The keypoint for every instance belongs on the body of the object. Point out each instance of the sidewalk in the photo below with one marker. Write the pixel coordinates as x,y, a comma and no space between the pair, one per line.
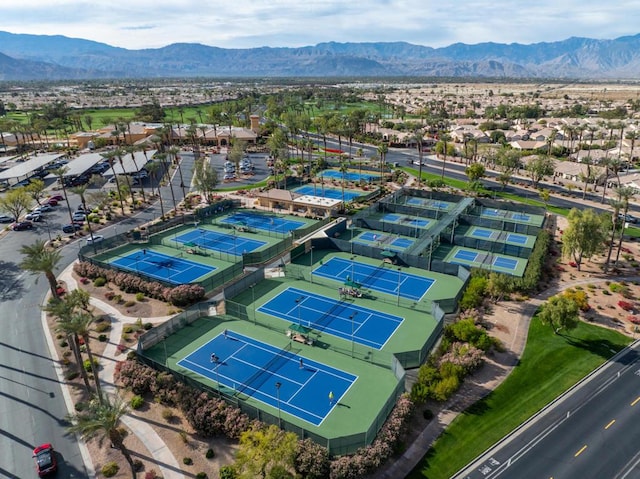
163,457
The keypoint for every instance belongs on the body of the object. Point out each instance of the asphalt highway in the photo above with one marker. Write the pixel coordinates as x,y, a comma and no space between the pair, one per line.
590,432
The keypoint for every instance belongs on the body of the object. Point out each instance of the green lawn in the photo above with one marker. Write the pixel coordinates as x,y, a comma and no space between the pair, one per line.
550,365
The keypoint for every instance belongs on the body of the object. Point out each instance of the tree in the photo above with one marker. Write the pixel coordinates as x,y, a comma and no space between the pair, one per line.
36,189
475,171
498,286
545,196
104,420
110,156
508,162
616,224
263,448
205,178
39,259
16,202
560,312
153,167
383,149
625,194
539,167
585,235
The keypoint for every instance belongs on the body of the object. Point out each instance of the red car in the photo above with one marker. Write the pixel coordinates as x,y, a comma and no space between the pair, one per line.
22,225
56,198
45,458
51,202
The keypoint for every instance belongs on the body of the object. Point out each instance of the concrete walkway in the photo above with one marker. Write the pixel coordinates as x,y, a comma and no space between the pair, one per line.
162,455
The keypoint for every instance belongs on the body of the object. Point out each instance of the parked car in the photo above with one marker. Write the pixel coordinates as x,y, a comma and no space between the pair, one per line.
142,174
230,176
95,239
45,459
44,208
22,225
627,218
34,216
79,216
56,198
71,228
6,219
21,184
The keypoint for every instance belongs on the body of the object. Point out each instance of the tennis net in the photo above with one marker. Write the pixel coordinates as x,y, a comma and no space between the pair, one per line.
265,372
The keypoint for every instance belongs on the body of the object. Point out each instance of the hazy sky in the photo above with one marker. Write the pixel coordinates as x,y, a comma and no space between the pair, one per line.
138,24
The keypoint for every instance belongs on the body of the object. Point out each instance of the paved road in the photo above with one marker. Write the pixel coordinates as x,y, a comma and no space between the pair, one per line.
32,408
591,432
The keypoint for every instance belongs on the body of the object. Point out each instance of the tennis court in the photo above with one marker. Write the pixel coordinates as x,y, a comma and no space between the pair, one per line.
263,222
429,203
349,175
414,221
482,259
231,244
484,233
332,193
278,377
167,268
514,216
336,317
384,280
392,242
517,239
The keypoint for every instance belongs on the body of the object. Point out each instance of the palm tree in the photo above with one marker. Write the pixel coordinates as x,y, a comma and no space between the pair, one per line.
38,258
60,172
119,153
383,149
65,309
173,151
104,420
625,194
153,168
167,168
80,191
110,156
131,149
419,136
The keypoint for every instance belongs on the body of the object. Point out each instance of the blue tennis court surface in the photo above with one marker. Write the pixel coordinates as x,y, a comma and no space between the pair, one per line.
348,175
391,217
520,217
167,268
506,263
516,238
465,255
385,280
232,244
263,222
415,222
481,233
333,193
338,318
270,375
494,213
402,242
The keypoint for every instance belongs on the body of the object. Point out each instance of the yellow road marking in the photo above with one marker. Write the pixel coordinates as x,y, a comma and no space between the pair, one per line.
610,424
580,451
634,402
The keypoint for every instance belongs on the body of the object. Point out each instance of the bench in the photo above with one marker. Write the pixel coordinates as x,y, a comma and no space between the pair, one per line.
300,338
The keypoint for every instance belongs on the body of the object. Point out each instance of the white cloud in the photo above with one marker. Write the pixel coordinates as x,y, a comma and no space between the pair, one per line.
252,23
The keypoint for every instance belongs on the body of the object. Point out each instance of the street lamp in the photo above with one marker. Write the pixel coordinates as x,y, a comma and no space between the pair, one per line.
399,277
311,265
278,384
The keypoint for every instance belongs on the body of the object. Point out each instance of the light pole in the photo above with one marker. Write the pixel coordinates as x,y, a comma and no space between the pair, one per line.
399,276
352,331
217,363
253,302
166,357
278,384
311,265
299,302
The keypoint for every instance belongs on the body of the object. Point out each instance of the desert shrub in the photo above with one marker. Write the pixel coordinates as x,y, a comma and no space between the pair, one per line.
625,305
136,402
187,461
129,303
279,472
102,338
139,296
128,329
151,475
71,375
167,414
138,465
201,475
102,327
228,472
100,281
86,364
148,326
63,343
209,454
109,295
579,297
110,469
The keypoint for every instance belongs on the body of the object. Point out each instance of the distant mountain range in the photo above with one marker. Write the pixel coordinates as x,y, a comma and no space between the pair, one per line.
43,57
